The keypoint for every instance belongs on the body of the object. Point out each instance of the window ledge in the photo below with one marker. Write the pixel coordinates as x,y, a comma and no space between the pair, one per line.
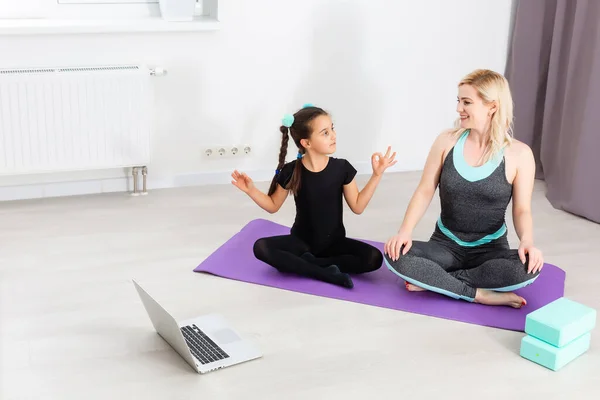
62,26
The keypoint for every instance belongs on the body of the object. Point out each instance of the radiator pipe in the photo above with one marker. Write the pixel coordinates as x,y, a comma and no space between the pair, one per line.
135,181
144,175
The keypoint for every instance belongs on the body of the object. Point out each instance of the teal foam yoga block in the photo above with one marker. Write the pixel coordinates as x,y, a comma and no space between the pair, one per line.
552,357
560,322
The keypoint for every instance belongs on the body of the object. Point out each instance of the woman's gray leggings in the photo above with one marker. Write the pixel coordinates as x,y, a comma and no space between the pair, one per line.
443,266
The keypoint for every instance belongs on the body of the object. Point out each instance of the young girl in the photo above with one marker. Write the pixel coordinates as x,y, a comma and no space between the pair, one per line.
317,246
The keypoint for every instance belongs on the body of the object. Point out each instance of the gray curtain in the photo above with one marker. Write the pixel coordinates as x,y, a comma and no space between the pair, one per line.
554,71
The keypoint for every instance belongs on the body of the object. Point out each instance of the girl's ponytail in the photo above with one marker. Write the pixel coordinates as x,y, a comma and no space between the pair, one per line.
282,154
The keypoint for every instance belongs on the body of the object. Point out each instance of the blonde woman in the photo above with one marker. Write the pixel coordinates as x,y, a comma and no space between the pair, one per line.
479,167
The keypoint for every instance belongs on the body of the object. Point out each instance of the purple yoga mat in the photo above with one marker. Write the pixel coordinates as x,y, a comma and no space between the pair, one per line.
382,288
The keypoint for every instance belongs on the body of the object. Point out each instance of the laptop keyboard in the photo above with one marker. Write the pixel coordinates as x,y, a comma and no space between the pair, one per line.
204,349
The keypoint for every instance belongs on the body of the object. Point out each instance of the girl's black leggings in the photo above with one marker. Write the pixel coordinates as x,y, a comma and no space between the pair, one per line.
289,253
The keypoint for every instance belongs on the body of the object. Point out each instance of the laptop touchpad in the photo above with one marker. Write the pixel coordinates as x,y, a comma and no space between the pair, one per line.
226,336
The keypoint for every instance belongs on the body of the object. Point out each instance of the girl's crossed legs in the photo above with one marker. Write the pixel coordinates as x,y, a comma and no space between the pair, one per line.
289,253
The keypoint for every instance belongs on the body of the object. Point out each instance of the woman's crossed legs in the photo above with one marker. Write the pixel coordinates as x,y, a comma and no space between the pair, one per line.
484,274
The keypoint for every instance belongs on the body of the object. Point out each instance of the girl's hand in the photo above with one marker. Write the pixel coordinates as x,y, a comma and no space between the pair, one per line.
536,259
242,181
380,162
394,244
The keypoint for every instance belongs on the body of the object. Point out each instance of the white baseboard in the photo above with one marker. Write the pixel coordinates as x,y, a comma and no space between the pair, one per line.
125,184
115,185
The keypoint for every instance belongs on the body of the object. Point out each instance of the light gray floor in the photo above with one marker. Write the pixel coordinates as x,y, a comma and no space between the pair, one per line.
72,326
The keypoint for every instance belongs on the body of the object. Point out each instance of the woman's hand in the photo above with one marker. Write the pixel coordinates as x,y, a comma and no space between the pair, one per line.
380,163
536,259
242,181
394,244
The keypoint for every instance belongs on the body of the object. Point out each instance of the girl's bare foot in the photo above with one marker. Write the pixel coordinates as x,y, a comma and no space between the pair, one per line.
492,298
413,288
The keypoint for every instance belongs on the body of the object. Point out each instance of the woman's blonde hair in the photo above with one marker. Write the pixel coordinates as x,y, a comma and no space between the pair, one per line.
492,86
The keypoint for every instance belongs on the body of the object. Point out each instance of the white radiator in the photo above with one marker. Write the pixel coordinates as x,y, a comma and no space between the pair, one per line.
80,118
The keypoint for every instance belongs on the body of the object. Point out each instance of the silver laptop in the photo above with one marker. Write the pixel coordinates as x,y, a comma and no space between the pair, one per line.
207,342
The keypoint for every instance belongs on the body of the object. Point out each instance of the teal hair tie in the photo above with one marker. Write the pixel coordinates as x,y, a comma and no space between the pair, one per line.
299,156
306,105
287,120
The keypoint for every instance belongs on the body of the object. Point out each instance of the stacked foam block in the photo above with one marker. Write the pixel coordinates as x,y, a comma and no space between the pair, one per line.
558,333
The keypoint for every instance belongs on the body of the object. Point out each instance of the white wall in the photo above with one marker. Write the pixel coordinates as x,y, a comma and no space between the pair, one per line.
387,71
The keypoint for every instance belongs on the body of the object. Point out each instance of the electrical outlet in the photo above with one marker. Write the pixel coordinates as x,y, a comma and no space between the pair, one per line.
227,151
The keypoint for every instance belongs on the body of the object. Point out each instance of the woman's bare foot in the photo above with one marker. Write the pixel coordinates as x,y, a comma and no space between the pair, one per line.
492,298
413,288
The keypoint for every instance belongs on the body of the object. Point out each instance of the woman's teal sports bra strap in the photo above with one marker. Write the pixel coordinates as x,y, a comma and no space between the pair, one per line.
468,172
